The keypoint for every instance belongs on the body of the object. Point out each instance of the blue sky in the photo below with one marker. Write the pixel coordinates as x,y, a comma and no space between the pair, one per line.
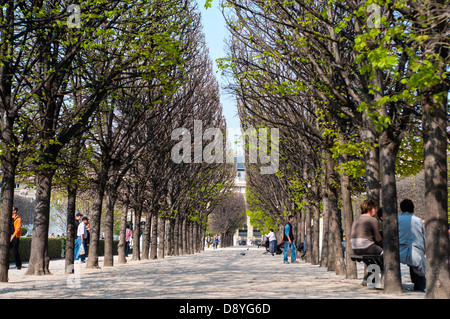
215,34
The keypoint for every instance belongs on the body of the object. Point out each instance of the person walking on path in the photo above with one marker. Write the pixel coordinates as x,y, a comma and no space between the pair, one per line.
366,238
15,237
216,241
412,244
128,235
81,236
78,217
288,238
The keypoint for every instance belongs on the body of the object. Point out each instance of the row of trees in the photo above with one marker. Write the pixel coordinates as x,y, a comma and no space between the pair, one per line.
359,90
228,217
89,97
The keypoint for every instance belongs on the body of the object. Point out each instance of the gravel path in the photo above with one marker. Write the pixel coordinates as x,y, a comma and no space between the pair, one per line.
230,273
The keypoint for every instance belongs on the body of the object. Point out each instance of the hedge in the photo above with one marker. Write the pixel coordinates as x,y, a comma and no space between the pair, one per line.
56,248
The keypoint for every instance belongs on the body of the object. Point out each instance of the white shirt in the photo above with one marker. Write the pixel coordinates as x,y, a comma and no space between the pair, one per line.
271,236
81,231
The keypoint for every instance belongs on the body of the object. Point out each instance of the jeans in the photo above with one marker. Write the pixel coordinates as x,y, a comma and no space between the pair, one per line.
419,281
127,248
15,247
78,244
293,251
273,246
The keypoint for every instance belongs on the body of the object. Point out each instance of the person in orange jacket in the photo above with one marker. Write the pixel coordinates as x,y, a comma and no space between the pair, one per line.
14,240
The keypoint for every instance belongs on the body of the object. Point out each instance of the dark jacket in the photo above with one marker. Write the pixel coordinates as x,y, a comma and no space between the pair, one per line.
291,234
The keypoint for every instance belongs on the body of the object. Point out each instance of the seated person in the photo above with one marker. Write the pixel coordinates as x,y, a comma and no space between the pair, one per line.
412,244
366,238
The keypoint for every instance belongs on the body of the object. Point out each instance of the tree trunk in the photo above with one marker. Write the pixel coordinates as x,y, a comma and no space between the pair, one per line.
335,246
9,163
193,237
147,236
111,198
434,121
9,156
190,237
308,234
167,236
39,260
137,233
176,236
325,226
154,236
299,227
161,236
94,222
187,236
307,237
184,236
347,216
171,237
72,190
371,160
316,235
223,240
180,235
388,153
199,237
71,231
